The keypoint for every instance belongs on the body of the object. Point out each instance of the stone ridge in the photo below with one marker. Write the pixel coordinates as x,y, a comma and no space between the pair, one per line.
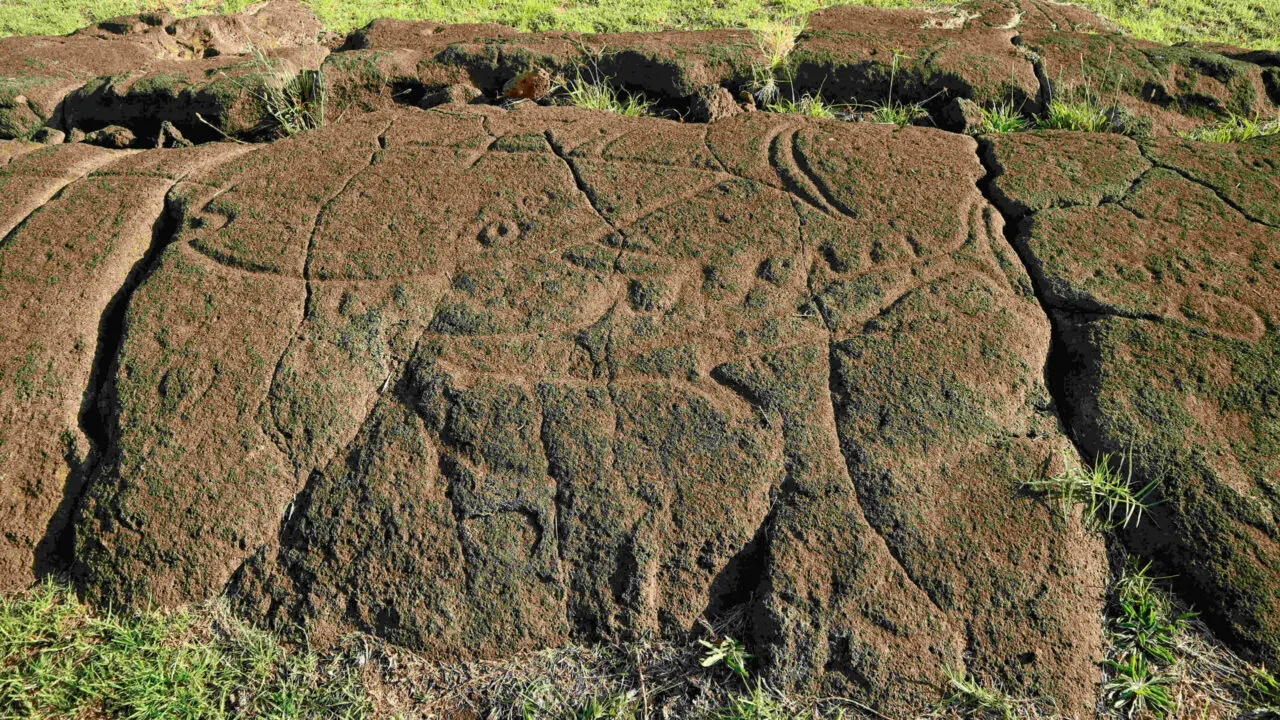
484,378
1157,265
209,78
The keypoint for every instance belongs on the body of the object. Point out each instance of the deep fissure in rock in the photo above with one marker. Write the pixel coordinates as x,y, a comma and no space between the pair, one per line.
55,552
1058,359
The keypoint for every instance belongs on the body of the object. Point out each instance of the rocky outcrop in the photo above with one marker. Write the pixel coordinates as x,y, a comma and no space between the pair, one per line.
1158,264
481,375
220,77
209,76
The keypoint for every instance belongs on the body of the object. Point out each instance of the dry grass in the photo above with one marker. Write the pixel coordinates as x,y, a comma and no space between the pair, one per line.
58,659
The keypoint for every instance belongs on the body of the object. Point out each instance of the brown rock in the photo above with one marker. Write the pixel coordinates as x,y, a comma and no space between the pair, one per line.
533,85
711,104
499,422
1176,87
864,55
62,271
963,115
111,136
48,136
452,95
1157,262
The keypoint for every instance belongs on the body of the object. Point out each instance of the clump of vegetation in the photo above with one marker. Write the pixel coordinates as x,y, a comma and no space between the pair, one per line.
296,103
1145,621
59,659
775,40
1146,634
1235,128
892,112
807,105
1262,691
1083,115
1108,498
1135,686
1003,118
593,91
293,103
971,696
728,651
760,702
896,113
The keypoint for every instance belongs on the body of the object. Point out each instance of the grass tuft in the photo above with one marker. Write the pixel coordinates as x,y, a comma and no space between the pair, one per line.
760,703
1235,128
775,40
1003,118
594,92
1079,115
807,105
1144,621
1135,687
59,659
1261,691
1109,499
970,695
294,103
896,113
891,112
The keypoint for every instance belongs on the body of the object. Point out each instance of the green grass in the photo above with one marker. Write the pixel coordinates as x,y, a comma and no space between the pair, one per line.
1109,499
1247,23
775,39
727,651
1136,687
1079,115
896,113
1144,621
807,105
58,659
1250,23
1262,692
1235,129
55,17
1147,636
1003,118
594,92
761,703
294,103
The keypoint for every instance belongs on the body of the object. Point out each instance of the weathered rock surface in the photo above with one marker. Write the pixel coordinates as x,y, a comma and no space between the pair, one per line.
482,380
1159,265
77,221
485,381
213,77
141,70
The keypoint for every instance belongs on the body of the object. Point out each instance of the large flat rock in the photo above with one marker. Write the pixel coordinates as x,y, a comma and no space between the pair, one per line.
1159,265
483,381
493,377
